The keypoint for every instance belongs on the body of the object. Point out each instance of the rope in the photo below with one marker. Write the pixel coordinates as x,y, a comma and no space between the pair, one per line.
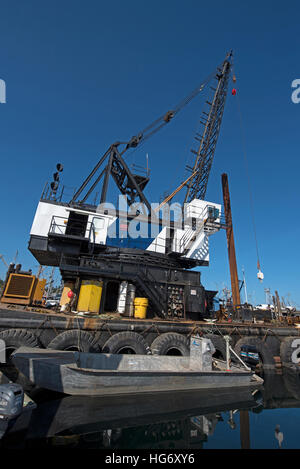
195,330
44,322
101,329
248,178
149,329
79,335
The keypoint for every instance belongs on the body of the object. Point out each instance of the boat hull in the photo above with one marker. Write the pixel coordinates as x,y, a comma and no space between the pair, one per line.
59,371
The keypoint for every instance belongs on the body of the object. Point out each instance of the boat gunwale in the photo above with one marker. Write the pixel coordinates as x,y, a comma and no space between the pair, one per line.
157,373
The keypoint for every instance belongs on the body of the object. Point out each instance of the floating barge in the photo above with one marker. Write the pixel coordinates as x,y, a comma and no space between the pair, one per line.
91,245
40,328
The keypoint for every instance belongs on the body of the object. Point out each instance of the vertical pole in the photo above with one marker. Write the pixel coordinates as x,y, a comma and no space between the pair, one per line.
227,339
275,307
278,303
245,286
39,271
244,429
230,244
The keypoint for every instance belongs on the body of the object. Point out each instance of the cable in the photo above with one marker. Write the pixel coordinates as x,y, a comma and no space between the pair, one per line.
248,179
141,137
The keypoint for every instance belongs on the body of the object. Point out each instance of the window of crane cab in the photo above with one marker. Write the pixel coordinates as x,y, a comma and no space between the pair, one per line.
98,223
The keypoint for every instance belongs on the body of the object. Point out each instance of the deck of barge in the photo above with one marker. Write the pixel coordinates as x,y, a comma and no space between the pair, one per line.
40,318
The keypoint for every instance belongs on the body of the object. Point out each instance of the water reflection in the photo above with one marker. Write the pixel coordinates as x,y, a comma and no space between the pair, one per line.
231,418
278,435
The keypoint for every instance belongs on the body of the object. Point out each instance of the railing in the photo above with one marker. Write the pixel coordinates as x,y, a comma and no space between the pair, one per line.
228,349
206,220
81,229
78,229
62,191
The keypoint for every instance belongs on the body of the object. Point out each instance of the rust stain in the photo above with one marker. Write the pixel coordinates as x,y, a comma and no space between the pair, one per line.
90,323
69,322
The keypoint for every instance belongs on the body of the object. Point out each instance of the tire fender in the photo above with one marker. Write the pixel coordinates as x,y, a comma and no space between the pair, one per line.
219,344
75,339
290,351
291,379
15,338
164,344
128,342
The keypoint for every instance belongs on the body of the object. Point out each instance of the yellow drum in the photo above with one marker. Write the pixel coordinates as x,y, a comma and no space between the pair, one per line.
90,296
140,307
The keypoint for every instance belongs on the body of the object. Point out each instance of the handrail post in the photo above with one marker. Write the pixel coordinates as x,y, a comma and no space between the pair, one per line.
227,340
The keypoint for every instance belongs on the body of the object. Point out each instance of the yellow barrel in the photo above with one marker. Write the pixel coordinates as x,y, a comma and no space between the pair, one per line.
90,296
140,307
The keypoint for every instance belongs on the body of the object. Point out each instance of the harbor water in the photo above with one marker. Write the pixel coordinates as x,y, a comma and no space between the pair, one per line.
264,418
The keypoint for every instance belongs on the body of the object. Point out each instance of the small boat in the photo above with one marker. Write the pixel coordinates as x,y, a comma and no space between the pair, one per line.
99,374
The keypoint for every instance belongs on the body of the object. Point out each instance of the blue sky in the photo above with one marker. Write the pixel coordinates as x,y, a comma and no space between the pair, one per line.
81,75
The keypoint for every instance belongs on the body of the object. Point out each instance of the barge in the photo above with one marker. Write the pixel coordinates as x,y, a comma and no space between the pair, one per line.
106,266
276,344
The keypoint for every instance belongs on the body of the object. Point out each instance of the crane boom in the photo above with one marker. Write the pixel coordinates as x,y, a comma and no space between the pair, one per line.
211,121
133,185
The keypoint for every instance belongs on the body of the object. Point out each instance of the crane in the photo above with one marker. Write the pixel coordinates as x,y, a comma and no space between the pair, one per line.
84,238
112,163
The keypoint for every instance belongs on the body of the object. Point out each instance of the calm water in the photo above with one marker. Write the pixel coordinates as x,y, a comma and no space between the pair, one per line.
231,419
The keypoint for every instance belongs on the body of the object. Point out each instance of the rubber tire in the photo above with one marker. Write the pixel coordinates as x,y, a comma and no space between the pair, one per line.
286,351
69,340
219,344
168,341
126,339
262,349
291,379
102,338
15,338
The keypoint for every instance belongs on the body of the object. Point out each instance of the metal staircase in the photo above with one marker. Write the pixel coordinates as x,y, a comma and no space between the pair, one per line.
152,290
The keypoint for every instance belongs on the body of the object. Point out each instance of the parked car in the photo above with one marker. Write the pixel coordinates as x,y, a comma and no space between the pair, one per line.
289,309
52,302
264,307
